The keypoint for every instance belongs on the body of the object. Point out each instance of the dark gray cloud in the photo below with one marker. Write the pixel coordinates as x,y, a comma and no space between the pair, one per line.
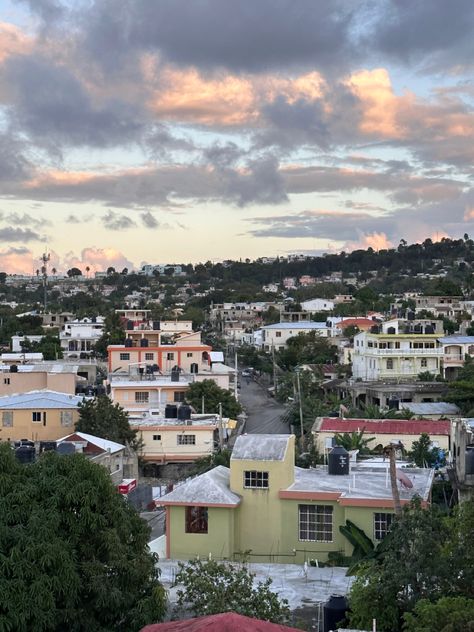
11,233
26,220
244,35
116,221
52,107
149,220
14,165
47,10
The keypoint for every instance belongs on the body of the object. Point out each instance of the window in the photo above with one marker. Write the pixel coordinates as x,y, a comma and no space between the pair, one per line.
196,519
7,418
255,480
179,396
315,523
125,356
36,416
389,364
186,439
66,418
6,380
382,524
189,355
278,334
156,437
142,397
424,362
170,356
149,356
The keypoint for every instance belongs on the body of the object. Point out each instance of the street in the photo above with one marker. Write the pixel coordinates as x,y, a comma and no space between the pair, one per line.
264,413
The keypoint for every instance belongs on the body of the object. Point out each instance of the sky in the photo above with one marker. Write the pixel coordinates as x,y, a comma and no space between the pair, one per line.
138,131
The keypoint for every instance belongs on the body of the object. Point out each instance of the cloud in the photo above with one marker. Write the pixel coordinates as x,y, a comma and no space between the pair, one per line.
149,221
27,220
97,259
17,260
24,235
115,221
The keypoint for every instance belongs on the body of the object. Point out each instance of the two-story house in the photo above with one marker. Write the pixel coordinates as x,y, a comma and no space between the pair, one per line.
78,337
276,336
455,349
265,505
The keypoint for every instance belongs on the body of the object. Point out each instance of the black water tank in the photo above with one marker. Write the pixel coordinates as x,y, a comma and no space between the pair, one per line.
411,316
144,342
129,325
128,342
334,612
25,454
393,403
469,460
175,375
13,368
429,329
391,330
100,389
47,446
171,411
417,329
338,461
184,412
155,368
65,448
156,325
149,369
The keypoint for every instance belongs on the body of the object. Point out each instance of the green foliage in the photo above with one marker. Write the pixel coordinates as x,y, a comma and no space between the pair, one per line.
259,360
448,614
212,587
461,391
206,463
354,441
371,411
306,348
74,554
426,376
424,454
213,395
49,346
102,418
114,334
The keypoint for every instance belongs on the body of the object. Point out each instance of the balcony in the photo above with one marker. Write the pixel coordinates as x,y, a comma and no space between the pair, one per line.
406,353
453,359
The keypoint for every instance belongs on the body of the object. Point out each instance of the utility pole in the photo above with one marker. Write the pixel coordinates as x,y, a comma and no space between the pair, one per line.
45,257
236,377
275,386
202,404
221,434
300,403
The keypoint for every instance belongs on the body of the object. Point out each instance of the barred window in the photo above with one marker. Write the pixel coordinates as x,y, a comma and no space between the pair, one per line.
187,439
7,418
255,480
149,356
66,418
179,396
196,520
382,524
315,523
125,356
142,397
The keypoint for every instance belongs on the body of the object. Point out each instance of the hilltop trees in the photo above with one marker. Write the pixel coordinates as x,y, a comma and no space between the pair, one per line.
74,554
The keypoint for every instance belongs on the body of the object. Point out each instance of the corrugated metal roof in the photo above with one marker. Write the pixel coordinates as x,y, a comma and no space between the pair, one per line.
300,325
40,399
457,340
432,408
386,426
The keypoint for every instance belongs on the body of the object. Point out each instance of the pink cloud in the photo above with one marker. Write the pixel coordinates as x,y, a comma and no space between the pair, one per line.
97,259
377,241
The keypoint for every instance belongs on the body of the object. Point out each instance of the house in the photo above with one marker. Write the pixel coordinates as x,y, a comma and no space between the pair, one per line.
432,410
397,350
78,337
455,349
448,306
19,341
224,622
276,336
53,376
317,305
41,415
279,512
52,321
383,431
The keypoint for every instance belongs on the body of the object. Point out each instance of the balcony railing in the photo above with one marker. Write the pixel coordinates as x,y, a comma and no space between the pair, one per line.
399,352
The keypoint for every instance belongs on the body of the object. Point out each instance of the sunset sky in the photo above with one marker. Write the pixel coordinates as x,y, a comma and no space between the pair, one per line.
158,131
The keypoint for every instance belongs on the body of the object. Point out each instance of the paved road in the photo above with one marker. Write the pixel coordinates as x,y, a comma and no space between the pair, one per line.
264,413
156,520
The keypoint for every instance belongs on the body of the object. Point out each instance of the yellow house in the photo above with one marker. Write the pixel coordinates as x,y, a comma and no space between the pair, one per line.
38,415
275,512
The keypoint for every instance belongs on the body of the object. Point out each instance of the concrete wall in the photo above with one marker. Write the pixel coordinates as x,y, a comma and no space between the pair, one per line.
219,541
36,380
167,449
49,428
383,439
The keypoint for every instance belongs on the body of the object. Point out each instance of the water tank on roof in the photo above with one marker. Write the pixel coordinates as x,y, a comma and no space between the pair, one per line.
94,319
392,403
334,612
411,315
65,448
155,368
338,461
184,412
469,460
13,368
417,329
144,342
391,330
429,329
156,325
171,411
25,454
175,375
128,342
47,446
129,325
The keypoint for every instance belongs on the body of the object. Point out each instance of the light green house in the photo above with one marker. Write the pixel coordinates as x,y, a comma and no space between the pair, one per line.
265,505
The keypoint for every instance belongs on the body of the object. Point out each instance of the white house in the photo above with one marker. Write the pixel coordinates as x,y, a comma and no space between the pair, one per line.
79,336
276,336
317,305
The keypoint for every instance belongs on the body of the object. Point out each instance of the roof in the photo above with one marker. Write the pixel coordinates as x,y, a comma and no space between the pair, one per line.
383,426
301,325
357,322
224,622
216,356
210,488
260,447
431,408
103,444
457,340
361,484
40,399
5,357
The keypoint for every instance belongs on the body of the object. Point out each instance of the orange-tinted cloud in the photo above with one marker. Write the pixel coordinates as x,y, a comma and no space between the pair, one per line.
377,241
12,41
97,259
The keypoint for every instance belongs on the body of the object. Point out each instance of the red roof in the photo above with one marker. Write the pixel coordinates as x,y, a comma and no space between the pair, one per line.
362,323
386,426
225,622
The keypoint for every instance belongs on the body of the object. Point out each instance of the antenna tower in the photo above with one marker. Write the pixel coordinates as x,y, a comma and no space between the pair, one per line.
45,257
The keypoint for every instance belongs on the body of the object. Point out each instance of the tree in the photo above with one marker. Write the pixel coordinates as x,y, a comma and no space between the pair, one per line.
114,334
110,270
74,272
49,346
213,395
424,454
102,418
74,553
310,348
461,391
354,441
448,614
212,587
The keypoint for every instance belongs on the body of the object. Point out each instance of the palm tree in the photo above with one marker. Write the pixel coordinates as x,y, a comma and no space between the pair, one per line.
87,270
53,271
391,451
354,441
